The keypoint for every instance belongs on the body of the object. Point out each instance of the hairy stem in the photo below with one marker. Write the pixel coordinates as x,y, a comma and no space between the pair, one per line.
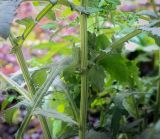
38,18
30,86
15,86
24,68
37,99
125,38
84,80
73,105
119,42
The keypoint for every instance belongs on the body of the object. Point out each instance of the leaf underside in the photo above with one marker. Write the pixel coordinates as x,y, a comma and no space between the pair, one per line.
8,11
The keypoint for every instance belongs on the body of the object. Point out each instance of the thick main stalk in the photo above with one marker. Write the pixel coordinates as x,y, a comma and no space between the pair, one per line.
84,80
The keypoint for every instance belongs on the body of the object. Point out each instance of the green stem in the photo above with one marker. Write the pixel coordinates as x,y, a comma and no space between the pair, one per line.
125,38
30,86
24,68
37,99
38,18
119,42
73,105
25,72
84,65
14,85
67,3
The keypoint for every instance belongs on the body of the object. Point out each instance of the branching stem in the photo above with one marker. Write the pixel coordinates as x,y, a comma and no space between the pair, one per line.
26,74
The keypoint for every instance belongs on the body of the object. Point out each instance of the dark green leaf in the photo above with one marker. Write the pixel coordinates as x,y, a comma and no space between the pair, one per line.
156,38
120,68
109,4
96,77
115,123
91,40
115,2
98,135
51,15
115,66
93,3
129,105
102,41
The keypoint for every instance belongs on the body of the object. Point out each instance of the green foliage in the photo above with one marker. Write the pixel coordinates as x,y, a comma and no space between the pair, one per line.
111,4
98,135
106,78
102,41
8,114
130,105
54,114
115,123
39,77
96,76
120,68
7,101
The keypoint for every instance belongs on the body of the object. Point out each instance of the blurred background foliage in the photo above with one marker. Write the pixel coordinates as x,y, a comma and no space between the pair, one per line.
55,37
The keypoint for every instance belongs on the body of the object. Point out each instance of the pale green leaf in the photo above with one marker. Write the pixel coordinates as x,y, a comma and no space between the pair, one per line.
54,114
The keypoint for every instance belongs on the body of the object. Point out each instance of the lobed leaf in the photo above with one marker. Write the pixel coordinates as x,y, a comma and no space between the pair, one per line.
120,68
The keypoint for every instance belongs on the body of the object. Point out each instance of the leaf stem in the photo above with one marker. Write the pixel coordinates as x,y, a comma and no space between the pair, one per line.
119,43
30,86
73,105
125,38
24,68
38,18
37,99
84,80
20,90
